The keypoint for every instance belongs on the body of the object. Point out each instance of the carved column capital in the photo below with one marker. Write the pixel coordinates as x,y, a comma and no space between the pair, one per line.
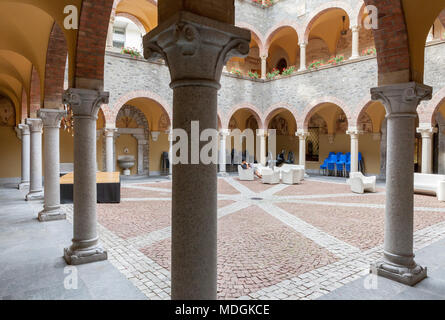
224,133
354,132
24,129
261,133
51,117
303,44
401,100
109,132
301,134
196,48
355,28
35,124
426,132
84,102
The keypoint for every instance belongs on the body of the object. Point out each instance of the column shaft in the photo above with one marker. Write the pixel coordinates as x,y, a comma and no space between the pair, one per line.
263,67
355,42
222,151
302,56
427,148
109,149
25,161
35,184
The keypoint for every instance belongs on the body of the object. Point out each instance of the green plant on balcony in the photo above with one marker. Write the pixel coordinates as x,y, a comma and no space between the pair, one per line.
316,64
265,4
288,71
335,60
369,52
131,51
253,75
273,74
236,72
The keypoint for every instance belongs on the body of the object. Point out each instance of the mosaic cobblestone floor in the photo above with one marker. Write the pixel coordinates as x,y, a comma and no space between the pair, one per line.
298,242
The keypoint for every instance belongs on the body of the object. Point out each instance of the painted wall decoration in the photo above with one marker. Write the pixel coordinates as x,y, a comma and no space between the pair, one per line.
233,124
280,124
318,122
7,112
365,123
341,122
164,122
252,123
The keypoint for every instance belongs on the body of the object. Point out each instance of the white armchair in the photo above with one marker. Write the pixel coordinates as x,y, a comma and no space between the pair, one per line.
359,183
270,176
292,176
246,174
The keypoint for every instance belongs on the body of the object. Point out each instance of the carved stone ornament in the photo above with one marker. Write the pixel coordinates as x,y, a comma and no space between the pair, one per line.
85,102
51,117
196,48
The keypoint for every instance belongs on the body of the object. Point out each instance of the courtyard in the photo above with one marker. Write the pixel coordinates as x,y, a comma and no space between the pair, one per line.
298,242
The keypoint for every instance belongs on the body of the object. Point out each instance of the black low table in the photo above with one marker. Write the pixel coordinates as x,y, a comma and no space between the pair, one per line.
108,187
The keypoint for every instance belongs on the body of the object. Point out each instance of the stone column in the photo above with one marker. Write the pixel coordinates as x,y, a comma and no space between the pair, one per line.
355,42
263,67
170,151
85,247
51,123
383,144
223,133
142,144
302,135
261,146
110,32
354,133
24,134
303,46
109,148
35,183
400,101
427,147
186,41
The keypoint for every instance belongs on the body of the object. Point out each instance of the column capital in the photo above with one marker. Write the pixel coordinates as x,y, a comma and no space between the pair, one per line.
354,132
376,136
264,56
187,41
401,100
426,132
302,133
51,117
35,124
84,102
24,129
261,132
302,44
224,132
109,132
355,28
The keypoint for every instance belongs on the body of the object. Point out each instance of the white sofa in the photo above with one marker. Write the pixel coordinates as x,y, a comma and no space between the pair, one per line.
292,176
270,176
286,167
246,174
359,183
433,184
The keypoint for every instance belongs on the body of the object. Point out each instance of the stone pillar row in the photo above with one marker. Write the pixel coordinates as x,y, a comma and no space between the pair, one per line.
185,41
400,101
51,123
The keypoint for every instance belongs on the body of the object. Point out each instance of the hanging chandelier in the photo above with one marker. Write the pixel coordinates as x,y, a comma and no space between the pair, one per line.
68,121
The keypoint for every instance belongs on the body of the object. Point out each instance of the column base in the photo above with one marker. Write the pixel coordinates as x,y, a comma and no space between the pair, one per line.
223,174
86,255
23,185
354,57
34,195
52,215
301,70
403,274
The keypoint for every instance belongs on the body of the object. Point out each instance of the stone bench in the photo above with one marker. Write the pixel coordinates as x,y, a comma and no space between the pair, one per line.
432,184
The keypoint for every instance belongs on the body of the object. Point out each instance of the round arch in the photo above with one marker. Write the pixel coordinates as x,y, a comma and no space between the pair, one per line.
303,121
254,110
279,26
256,35
275,109
133,19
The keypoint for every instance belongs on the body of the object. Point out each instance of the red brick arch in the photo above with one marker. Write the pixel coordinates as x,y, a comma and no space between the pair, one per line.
255,111
92,37
55,68
34,94
274,109
312,18
311,108
428,109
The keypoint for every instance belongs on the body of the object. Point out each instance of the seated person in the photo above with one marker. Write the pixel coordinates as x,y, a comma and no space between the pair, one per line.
246,166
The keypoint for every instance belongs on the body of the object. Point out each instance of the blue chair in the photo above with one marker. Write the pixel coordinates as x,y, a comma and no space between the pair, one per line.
332,160
324,166
341,164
